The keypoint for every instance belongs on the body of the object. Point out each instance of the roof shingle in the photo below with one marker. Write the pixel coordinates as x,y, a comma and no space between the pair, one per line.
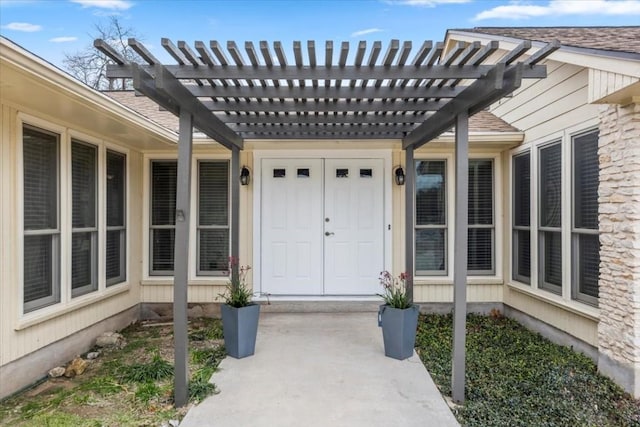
616,39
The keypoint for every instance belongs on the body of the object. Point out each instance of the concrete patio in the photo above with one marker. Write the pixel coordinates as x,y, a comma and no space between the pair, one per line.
320,369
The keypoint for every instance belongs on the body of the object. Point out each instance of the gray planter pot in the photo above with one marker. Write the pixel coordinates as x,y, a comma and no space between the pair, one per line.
240,326
398,330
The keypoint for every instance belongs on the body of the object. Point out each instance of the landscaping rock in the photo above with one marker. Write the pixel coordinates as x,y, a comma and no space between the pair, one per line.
57,372
110,339
195,312
76,367
93,355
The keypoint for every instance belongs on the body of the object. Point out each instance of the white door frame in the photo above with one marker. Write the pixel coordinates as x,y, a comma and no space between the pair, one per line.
258,155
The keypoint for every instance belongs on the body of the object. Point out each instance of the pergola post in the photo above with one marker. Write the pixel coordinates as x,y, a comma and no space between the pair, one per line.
409,194
460,256
181,259
234,250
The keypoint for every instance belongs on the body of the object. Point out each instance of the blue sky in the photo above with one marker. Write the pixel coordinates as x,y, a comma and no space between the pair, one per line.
49,28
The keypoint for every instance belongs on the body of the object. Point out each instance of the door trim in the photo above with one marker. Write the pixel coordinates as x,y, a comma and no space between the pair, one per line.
258,155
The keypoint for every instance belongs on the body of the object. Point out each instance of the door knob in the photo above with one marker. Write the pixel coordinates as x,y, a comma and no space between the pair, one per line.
328,233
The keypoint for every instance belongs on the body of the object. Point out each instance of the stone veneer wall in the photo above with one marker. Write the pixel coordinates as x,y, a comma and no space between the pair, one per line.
619,200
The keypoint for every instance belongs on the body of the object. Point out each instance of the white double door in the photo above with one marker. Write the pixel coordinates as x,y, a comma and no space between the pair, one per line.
322,226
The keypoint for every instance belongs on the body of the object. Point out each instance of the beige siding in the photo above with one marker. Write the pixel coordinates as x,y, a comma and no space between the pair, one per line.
544,107
444,293
21,336
602,84
576,324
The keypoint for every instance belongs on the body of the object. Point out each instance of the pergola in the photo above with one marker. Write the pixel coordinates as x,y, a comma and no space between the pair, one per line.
232,97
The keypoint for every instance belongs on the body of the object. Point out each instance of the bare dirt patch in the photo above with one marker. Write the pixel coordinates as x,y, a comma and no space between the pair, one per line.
131,386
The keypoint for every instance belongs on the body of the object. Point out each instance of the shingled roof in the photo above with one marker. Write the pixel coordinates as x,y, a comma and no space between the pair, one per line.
483,121
615,39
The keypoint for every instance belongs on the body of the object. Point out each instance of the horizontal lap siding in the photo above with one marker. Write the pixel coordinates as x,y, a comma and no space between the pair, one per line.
197,293
543,107
16,343
572,323
444,293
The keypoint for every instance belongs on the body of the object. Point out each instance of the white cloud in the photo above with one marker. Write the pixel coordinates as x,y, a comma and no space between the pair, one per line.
22,26
425,3
64,39
105,4
522,10
367,31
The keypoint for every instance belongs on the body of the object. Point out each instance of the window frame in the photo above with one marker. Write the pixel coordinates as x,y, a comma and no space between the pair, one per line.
517,229
199,227
576,232
491,226
124,235
444,226
95,230
30,314
55,233
152,227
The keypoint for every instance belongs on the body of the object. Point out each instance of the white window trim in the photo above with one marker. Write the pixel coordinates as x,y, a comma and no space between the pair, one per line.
498,226
564,300
67,303
193,278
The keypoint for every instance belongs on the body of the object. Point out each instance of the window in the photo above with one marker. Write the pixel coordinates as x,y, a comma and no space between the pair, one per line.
212,220
213,217
62,237
40,152
584,235
550,218
480,237
522,217
84,232
116,224
431,217
163,208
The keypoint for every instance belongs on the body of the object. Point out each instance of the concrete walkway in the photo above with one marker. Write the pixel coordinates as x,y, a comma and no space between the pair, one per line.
321,369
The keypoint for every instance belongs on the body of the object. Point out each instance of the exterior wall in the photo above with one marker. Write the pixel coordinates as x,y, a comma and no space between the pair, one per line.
619,198
22,335
543,107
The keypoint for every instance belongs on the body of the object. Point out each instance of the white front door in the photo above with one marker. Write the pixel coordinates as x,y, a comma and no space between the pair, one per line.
354,226
291,250
322,226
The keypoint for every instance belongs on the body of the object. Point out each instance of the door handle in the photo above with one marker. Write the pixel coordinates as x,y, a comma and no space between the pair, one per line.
328,233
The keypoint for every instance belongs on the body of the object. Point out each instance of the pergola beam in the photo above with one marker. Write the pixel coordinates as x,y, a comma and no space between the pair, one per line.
477,96
204,120
323,92
165,95
323,118
323,72
324,127
322,106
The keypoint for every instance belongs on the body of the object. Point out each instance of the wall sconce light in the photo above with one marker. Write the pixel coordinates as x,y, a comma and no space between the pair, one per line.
245,176
399,175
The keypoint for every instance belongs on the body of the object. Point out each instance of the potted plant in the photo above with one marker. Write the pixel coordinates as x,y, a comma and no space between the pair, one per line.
239,314
398,317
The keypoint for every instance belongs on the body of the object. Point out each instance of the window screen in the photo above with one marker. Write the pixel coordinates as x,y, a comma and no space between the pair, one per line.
41,271
431,231
116,213
521,243
585,238
213,217
163,206
480,239
550,218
